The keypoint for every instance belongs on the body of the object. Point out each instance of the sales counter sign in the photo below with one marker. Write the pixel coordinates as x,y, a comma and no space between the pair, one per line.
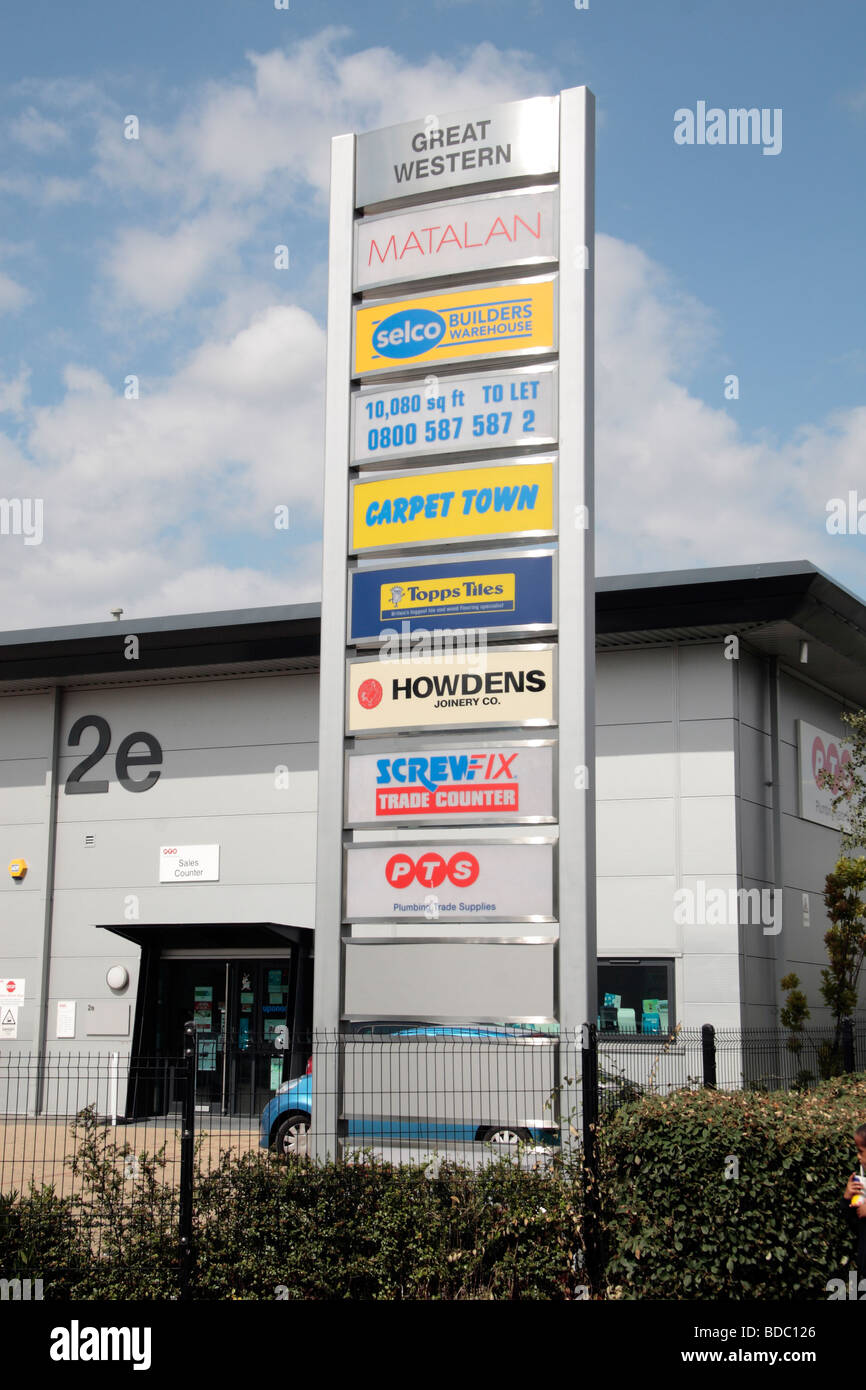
460,324
429,507
449,882
498,686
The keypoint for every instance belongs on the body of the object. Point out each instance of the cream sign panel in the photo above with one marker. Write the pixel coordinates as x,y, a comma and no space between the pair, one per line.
473,234
449,882
504,685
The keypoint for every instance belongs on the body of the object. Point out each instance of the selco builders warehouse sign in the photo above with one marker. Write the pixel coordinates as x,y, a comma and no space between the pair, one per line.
470,235
476,410
503,685
501,592
454,150
429,507
487,783
824,772
445,881
446,327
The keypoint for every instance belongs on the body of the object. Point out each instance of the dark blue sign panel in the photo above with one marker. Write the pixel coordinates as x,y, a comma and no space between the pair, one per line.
510,592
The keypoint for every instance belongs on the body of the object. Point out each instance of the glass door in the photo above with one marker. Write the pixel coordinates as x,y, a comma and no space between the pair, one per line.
260,995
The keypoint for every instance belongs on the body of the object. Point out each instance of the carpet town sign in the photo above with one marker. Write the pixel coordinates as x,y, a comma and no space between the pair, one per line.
461,497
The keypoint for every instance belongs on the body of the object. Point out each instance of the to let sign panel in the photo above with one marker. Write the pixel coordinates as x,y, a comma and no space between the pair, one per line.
442,786
429,508
503,685
446,327
446,882
495,593
475,410
471,235
502,141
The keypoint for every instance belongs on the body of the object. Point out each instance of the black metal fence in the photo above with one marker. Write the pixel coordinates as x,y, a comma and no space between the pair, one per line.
121,1139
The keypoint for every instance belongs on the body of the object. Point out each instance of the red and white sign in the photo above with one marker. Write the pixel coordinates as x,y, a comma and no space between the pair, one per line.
447,882
825,771
485,783
468,234
12,991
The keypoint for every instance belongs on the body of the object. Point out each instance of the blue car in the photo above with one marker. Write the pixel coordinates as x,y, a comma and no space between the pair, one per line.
285,1120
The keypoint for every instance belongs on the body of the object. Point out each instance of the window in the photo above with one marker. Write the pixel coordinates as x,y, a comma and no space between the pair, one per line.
636,996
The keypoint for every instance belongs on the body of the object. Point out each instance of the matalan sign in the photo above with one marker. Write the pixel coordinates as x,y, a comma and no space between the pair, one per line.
503,685
475,234
485,783
456,149
454,414
447,882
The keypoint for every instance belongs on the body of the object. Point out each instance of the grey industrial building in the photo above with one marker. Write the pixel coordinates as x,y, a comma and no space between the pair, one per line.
118,740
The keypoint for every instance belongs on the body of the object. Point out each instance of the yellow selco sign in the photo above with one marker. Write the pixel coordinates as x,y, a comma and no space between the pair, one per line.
456,504
461,323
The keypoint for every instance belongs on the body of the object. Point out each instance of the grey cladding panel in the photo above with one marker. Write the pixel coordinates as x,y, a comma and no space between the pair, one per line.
438,980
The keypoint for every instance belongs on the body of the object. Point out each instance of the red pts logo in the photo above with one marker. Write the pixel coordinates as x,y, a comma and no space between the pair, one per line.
369,694
431,870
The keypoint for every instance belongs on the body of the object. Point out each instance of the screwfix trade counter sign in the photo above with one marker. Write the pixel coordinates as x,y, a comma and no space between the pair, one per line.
479,322
475,784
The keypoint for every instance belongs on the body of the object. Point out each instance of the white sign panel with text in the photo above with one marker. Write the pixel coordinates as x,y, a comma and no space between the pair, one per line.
484,783
448,882
824,771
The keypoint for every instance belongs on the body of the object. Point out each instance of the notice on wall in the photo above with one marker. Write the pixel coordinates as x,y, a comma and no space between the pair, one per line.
189,863
65,1018
8,1020
455,414
12,991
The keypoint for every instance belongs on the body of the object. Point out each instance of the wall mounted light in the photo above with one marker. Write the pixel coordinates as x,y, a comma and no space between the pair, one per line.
117,977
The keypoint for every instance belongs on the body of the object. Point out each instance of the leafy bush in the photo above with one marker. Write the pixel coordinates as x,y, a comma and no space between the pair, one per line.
677,1227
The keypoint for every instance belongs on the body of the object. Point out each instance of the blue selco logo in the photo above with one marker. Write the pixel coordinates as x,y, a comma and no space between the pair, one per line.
409,333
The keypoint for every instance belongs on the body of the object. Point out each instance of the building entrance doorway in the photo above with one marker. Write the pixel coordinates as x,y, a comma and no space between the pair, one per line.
237,1007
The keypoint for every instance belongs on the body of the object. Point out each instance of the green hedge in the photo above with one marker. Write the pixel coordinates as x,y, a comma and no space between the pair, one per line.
676,1227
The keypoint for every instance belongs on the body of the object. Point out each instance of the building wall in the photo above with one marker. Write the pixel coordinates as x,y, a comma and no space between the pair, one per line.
666,817
238,769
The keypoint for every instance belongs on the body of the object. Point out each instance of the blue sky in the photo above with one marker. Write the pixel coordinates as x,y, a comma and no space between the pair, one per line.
155,258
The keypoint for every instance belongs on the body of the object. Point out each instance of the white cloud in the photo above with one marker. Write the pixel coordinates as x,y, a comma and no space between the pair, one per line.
157,272
37,132
12,295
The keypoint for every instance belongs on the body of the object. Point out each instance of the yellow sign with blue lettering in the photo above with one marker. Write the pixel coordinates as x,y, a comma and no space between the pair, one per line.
424,508
458,324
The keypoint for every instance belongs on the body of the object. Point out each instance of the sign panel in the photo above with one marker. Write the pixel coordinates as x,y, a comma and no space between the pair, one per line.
502,141
447,882
491,594
12,991
470,785
478,410
455,324
825,770
65,1018
470,235
189,863
429,507
504,685
8,1020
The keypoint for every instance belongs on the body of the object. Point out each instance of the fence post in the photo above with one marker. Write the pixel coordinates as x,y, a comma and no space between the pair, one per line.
708,1051
187,1149
848,1044
589,1112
